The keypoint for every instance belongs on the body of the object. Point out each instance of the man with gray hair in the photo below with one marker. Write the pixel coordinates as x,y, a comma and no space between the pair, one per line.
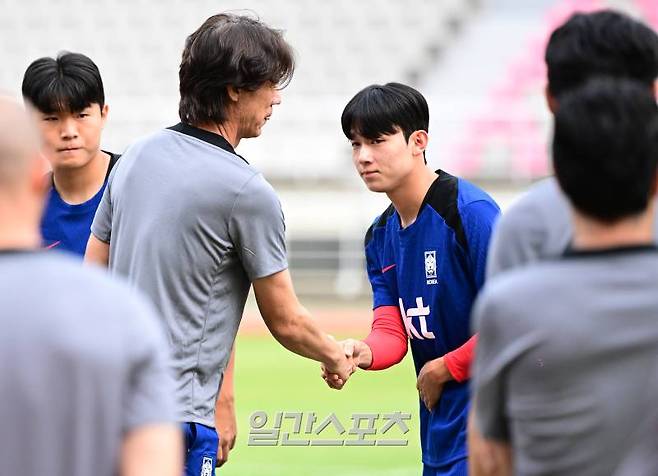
190,222
83,363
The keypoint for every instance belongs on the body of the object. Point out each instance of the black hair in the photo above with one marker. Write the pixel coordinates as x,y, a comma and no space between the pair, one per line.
605,147
69,83
605,42
229,50
381,110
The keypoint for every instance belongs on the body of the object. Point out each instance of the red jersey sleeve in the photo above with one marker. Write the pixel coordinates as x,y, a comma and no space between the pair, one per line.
387,339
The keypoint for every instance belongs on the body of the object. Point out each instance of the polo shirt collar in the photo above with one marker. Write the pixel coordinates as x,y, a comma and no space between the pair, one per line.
206,136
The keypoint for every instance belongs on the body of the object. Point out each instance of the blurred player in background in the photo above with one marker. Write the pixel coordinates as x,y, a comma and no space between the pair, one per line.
68,99
426,262
568,348
538,225
83,363
190,222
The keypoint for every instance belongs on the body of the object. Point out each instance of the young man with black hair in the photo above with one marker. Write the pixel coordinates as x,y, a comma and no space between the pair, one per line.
605,42
568,347
194,225
426,262
68,99
538,226
84,372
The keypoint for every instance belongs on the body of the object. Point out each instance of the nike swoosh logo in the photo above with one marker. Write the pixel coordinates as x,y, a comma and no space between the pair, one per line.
387,268
52,245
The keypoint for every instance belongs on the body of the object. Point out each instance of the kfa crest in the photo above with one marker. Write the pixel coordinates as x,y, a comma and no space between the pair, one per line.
206,467
430,267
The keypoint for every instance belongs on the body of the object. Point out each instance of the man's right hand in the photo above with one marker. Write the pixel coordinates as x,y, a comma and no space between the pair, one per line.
357,353
337,372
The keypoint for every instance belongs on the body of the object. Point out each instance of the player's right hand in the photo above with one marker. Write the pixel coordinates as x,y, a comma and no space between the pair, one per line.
336,373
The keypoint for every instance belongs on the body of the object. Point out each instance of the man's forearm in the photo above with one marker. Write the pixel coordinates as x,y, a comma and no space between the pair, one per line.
226,393
290,323
97,252
301,335
486,457
225,420
152,450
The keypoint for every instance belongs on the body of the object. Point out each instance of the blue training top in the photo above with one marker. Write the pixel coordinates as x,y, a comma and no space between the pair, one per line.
433,270
67,227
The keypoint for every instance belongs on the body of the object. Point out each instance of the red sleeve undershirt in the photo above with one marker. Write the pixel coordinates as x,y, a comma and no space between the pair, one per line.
459,360
387,339
388,343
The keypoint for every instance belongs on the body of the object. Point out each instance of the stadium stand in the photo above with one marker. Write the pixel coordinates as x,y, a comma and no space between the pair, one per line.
478,62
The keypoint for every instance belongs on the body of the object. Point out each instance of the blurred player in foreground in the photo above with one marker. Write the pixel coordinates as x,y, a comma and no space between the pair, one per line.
426,262
538,225
83,365
568,348
190,222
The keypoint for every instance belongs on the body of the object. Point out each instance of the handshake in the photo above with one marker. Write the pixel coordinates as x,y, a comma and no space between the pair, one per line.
356,354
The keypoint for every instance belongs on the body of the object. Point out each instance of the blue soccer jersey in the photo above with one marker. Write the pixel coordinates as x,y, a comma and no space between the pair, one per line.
67,227
433,270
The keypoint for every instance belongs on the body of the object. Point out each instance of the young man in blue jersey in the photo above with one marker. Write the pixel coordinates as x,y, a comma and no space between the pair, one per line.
426,261
69,103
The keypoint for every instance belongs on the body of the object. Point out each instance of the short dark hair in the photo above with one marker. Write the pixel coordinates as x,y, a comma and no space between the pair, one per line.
605,148
380,110
229,50
605,42
69,83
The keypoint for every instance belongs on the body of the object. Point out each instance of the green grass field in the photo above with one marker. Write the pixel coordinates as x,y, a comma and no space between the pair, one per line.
271,379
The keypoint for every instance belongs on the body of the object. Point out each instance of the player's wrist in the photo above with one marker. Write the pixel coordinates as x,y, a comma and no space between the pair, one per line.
440,371
364,355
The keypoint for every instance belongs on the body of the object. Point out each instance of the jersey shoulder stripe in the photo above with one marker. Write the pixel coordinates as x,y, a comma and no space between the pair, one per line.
114,158
443,197
379,223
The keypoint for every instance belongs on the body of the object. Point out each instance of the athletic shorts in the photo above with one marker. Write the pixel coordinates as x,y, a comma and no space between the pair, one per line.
457,468
201,445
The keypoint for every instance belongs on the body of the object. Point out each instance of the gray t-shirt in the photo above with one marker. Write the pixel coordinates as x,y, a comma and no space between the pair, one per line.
83,361
642,460
191,224
538,226
565,353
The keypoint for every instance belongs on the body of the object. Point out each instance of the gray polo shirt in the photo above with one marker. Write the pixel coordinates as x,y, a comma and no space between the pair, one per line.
192,224
538,226
567,353
83,361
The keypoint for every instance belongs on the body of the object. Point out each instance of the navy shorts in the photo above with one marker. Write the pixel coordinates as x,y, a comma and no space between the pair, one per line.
201,445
